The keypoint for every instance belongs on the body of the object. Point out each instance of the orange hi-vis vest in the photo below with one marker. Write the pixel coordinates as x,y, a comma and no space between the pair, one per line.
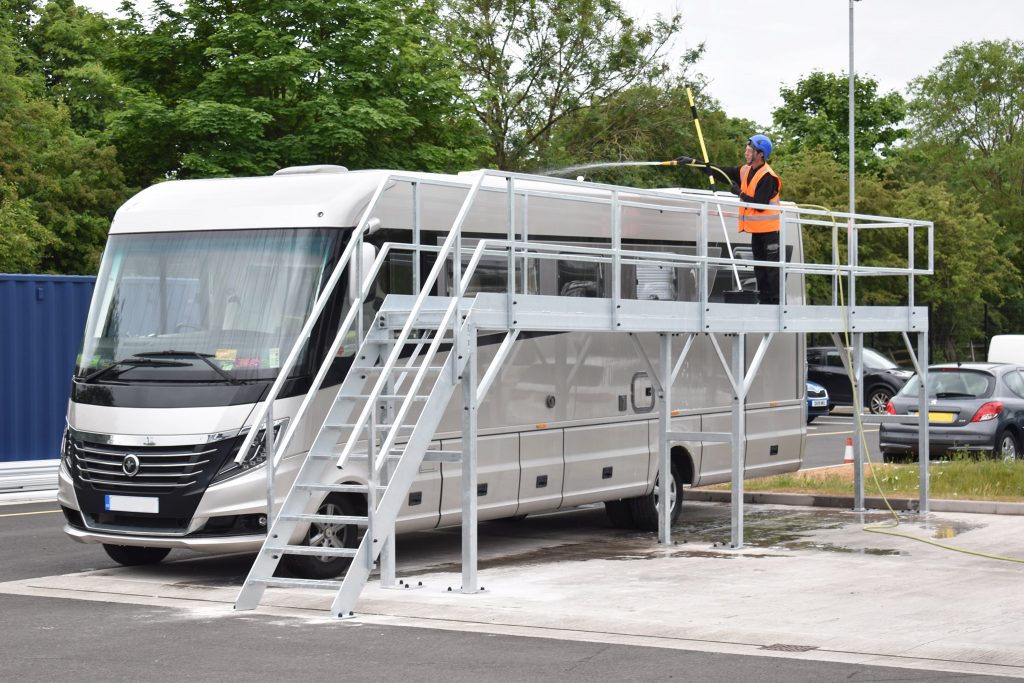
758,220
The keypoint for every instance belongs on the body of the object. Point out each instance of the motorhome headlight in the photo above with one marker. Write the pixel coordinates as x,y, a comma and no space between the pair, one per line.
66,451
257,455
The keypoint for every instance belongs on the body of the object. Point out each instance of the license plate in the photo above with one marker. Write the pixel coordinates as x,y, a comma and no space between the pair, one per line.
131,504
934,416
819,403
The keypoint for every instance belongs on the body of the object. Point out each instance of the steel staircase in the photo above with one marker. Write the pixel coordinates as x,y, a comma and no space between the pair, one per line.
413,374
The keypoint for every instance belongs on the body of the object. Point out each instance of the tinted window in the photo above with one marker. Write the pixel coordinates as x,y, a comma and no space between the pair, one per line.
1015,382
953,383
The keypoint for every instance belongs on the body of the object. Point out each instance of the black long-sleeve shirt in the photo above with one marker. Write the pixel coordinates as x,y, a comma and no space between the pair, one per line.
763,193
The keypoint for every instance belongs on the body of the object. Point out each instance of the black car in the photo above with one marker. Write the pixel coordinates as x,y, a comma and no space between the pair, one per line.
882,377
971,407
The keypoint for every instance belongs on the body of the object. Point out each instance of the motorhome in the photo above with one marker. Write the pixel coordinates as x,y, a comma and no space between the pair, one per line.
205,285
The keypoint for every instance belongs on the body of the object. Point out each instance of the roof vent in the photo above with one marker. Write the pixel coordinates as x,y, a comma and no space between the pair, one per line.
305,170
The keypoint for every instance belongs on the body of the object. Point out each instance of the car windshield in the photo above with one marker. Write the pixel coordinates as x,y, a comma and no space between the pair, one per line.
951,383
876,361
217,306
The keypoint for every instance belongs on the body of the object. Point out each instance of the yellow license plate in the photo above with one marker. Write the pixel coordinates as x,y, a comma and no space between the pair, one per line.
939,417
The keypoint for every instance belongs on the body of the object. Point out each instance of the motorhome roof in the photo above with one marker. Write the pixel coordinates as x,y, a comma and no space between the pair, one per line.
301,198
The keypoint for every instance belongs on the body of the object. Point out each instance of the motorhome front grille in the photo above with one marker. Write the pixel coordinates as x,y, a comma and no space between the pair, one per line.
145,469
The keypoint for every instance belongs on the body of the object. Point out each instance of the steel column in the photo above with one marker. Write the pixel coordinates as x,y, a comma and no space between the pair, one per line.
469,463
739,437
923,450
664,425
858,427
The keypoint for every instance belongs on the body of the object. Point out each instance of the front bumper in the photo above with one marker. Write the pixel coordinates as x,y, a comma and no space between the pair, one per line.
236,544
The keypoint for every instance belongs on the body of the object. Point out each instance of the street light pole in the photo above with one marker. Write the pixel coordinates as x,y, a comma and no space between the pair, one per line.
852,182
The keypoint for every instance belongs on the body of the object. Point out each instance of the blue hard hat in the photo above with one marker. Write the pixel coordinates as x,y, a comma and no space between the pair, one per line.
762,144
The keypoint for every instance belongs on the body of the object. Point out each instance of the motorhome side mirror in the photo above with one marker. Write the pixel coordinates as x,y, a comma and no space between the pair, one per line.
369,254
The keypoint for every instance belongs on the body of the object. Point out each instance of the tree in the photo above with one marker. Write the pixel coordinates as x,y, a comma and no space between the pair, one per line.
969,127
528,65
815,115
969,267
59,188
649,123
225,88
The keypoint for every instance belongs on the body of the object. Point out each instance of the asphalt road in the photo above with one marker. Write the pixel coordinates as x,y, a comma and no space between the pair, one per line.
44,638
826,440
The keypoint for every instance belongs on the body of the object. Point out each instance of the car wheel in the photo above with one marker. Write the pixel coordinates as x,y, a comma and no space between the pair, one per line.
328,536
1007,446
132,556
645,508
810,418
878,399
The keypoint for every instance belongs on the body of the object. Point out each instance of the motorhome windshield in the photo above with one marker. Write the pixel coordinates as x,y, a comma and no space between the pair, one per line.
218,306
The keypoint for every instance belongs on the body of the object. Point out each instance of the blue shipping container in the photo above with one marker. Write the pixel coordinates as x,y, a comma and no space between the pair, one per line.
42,318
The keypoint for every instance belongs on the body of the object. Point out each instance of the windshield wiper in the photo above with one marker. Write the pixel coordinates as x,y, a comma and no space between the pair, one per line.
205,357
954,394
132,361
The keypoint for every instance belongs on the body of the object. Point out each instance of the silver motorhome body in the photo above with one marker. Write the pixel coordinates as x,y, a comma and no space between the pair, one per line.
570,419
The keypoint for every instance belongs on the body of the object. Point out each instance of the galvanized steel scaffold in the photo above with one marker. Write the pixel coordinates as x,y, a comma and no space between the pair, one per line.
421,346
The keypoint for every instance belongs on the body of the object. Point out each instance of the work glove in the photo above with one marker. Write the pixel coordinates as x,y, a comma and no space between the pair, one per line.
684,161
735,189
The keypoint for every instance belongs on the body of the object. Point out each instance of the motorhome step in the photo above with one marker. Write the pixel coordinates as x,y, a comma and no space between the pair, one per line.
339,488
311,550
327,519
282,582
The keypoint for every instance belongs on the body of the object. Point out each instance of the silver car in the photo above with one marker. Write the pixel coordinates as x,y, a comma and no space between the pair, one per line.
971,407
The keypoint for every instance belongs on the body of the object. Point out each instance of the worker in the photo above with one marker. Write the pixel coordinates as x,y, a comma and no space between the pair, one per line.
755,182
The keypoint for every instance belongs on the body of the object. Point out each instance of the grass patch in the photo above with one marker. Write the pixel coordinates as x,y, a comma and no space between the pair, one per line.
957,479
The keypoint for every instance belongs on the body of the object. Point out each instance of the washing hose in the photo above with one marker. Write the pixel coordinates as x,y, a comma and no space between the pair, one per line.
887,528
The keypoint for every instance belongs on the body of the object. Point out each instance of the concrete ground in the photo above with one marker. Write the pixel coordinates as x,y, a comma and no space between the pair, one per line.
810,584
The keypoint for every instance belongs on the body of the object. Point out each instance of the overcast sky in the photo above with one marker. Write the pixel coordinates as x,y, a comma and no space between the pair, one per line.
755,46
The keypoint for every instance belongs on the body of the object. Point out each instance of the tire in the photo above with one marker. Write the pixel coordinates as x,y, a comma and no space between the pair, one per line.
328,536
1007,446
645,508
877,399
620,514
132,556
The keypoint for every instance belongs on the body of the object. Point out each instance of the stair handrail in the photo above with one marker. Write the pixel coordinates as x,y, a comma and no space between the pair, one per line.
454,235
311,320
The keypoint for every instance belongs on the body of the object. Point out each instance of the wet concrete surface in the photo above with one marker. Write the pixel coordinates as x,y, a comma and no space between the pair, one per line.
809,583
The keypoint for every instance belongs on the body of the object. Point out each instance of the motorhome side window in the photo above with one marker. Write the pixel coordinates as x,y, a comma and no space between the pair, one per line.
724,278
491,273
580,278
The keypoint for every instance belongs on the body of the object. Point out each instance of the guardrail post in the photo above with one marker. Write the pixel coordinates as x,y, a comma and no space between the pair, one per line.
616,259
664,425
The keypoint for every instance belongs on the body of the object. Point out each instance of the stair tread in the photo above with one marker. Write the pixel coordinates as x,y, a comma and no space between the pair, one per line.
284,582
328,519
310,550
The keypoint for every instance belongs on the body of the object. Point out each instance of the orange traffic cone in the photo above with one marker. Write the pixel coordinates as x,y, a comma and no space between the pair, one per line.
848,455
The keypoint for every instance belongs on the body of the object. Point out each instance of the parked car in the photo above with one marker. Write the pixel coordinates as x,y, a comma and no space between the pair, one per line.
817,401
882,377
971,407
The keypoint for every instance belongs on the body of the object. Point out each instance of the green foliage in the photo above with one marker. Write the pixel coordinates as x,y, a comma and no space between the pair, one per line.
815,115
969,266
59,187
649,123
528,65
242,88
969,127
957,479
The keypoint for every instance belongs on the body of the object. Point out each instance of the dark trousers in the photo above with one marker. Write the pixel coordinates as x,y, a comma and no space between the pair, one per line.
766,248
